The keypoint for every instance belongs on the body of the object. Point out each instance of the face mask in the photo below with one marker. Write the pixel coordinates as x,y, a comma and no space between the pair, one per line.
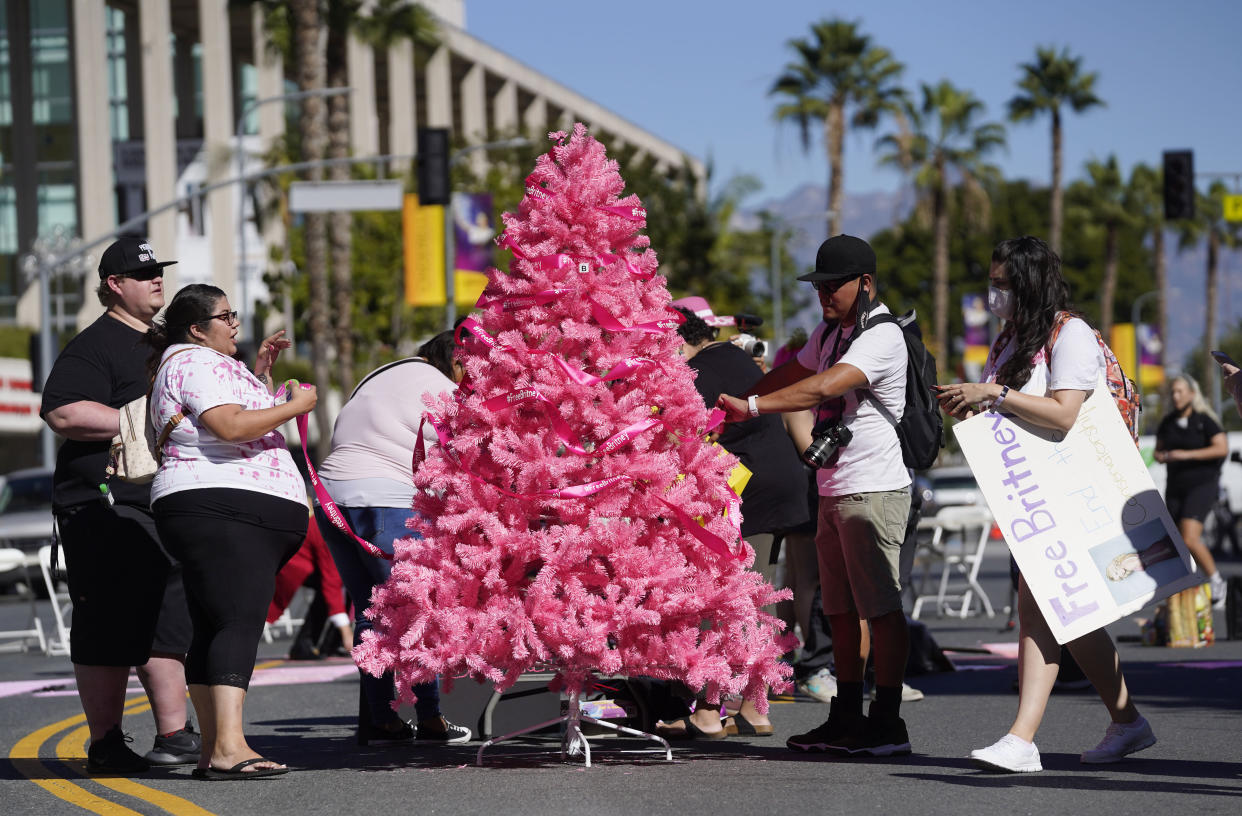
1000,302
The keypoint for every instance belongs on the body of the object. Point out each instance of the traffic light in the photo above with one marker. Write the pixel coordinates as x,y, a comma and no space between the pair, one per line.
1179,185
433,166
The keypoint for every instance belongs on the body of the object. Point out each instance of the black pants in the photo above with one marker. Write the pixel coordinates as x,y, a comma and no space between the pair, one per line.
231,543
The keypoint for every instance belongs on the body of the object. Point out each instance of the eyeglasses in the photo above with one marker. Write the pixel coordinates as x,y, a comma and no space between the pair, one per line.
228,317
831,287
149,273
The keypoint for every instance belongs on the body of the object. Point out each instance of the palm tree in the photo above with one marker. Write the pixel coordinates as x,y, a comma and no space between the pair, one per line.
1144,200
942,140
1210,220
312,125
1051,81
1101,201
837,72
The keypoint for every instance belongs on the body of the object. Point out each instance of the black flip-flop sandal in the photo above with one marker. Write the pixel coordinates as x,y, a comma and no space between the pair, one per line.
239,771
737,724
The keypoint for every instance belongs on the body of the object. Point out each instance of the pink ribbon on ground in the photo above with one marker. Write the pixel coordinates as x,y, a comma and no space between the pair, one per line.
605,318
630,213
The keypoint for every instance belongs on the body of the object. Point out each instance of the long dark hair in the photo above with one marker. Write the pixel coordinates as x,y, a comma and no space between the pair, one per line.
439,352
1039,292
192,305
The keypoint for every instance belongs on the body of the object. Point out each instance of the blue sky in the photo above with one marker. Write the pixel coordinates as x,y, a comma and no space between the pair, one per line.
697,73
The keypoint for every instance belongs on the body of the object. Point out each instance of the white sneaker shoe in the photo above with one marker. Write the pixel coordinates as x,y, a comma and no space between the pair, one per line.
821,685
1218,587
909,694
1010,753
1120,740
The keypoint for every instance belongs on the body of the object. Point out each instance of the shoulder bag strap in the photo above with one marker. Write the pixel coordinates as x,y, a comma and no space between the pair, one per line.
382,369
174,420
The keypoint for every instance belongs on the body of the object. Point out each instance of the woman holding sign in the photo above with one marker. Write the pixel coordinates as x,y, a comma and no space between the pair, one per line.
229,504
1046,387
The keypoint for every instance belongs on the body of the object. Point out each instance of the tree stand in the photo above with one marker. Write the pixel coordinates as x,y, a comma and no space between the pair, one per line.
573,741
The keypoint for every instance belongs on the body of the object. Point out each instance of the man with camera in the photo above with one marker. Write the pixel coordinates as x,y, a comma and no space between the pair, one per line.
854,375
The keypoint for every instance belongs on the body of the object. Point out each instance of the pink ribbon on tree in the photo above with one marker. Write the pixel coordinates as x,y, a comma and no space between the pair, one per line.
635,272
561,428
624,368
605,318
509,303
629,213
506,241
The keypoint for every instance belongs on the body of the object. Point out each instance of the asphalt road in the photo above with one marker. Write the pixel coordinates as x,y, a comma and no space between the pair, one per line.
304,715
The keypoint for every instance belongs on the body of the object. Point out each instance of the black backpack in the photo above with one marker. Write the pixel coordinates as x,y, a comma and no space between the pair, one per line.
921,429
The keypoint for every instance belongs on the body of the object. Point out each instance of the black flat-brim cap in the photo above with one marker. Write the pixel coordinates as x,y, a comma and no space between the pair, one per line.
129,253
842,257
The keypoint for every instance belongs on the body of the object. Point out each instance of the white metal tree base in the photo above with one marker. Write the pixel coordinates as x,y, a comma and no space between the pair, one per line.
574,742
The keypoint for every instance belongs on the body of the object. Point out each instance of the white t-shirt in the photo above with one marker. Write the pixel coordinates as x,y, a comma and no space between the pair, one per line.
1077,362
194,382
373,441
872,460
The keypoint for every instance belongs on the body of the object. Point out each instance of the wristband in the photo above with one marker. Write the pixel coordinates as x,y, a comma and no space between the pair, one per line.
996,403
752,405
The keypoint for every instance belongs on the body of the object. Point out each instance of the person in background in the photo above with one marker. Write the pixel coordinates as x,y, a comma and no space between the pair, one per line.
229,503
1192,446
128,598
369,476
1233,377
1045,387
773,501
312,566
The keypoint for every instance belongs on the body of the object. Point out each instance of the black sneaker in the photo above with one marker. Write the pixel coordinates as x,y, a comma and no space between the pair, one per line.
836,728
111,755
450,734
178,748
880,737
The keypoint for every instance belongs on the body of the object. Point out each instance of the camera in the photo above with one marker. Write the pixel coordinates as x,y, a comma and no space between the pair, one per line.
826,439
753,346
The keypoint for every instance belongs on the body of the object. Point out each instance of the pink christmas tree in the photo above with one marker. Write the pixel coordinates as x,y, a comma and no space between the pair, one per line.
573,516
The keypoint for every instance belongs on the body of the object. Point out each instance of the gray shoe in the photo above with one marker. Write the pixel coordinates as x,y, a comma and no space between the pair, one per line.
821,685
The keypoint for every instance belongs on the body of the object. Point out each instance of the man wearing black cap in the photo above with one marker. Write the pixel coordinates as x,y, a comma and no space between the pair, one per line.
853,372
129,607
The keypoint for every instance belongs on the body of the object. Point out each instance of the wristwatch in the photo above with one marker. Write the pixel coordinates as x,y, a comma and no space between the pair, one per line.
752,405
996,403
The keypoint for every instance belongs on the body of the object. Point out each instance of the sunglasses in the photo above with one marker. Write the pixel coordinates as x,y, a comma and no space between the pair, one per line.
228,317
149,273
832,286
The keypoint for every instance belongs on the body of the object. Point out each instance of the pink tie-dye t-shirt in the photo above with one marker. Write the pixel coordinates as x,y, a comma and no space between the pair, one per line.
196,381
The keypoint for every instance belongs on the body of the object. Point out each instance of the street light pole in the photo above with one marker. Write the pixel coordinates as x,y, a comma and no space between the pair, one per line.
450,233
240,155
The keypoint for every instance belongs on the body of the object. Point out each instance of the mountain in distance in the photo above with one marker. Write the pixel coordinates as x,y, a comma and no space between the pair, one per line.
805,211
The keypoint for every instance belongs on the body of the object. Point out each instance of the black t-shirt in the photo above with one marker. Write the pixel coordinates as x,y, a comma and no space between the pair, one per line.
1189,433
105,363
775,497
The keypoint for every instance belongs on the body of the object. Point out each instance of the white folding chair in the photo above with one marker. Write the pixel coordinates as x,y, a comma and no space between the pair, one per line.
62,605
10,559
959,539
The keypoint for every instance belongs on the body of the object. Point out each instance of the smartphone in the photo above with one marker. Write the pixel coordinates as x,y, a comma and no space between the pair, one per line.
1221,357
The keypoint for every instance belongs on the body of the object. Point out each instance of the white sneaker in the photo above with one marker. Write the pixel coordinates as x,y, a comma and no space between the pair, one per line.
909,694
821,685
1120,740
1010,753
1218,587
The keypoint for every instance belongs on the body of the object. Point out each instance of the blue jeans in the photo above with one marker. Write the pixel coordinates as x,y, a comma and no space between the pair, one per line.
361,572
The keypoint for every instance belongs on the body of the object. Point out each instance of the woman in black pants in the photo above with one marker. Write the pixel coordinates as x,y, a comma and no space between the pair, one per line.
229,504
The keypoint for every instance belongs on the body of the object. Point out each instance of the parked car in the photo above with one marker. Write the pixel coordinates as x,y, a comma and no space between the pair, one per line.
948,487
25,517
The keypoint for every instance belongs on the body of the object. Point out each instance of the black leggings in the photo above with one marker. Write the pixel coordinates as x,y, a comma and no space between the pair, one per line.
231,543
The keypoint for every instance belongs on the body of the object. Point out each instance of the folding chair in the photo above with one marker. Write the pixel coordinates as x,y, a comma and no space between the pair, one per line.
10,559
62,606
959,538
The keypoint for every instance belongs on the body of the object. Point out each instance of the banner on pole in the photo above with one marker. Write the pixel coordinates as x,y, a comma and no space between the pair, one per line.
473,234
423,232
1089,530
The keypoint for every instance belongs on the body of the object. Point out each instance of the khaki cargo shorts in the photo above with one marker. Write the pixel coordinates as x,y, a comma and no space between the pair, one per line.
859,546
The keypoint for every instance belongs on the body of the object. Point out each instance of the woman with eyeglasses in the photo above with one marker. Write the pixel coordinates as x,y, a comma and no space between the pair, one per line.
228,503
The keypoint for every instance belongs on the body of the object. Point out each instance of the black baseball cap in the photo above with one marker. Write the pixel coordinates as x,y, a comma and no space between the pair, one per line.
127,255
842,257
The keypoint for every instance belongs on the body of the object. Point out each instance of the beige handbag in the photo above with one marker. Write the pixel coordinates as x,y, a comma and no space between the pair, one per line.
136,452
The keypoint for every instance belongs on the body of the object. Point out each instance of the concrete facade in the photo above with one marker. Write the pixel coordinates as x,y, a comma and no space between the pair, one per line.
181,133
